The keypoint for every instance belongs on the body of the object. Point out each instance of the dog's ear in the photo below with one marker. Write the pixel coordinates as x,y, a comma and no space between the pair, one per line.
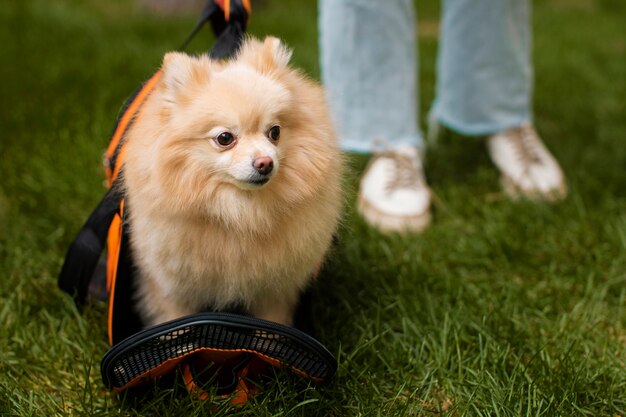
274,50
266,56
181,73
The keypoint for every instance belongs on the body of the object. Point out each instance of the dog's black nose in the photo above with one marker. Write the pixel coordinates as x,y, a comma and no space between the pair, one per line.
263,165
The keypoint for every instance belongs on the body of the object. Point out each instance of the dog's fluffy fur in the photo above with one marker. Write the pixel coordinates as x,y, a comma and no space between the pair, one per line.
204,235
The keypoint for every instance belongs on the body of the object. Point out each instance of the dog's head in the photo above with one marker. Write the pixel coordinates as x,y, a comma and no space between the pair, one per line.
219,134
226,118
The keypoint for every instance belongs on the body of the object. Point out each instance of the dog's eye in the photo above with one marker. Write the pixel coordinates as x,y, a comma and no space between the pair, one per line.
225,139
274,133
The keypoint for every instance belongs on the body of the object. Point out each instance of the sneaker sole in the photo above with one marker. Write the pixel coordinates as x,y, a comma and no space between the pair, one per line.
513,191
392,224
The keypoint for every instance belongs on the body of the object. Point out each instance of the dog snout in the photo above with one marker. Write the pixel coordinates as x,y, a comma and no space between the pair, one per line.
263,165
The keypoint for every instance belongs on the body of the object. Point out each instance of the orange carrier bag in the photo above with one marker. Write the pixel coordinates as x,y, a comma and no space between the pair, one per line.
228,351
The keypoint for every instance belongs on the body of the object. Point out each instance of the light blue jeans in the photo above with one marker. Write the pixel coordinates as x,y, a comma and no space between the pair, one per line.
369,68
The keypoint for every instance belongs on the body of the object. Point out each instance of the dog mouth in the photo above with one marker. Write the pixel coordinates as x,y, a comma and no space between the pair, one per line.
258,181
253,183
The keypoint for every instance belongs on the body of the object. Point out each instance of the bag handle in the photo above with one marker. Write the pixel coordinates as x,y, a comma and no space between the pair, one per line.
228,19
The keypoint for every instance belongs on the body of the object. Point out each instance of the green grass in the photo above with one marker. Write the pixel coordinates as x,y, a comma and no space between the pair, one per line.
500,308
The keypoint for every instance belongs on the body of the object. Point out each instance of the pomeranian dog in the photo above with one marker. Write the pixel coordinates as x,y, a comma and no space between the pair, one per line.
233,185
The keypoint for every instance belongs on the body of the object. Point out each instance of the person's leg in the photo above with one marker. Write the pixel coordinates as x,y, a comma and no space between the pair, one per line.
484,88
369,68
484,78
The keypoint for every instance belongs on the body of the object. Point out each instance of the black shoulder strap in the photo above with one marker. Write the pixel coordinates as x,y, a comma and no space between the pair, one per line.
229,30
83,255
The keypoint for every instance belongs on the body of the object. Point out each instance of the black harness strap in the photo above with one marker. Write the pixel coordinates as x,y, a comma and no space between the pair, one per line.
84,252
229,30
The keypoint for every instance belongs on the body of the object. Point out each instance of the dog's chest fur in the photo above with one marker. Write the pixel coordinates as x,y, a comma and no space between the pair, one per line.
206,264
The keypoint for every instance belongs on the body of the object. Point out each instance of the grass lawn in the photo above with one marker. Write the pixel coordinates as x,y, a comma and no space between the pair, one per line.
500,308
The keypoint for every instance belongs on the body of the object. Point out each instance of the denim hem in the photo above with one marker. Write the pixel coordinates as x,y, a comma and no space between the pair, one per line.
480,129
358,145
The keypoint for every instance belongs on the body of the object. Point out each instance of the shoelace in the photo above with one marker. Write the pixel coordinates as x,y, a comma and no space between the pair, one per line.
405,174
526,147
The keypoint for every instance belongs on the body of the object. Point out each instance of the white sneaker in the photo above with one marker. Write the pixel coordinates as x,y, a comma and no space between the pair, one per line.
528,168
393,194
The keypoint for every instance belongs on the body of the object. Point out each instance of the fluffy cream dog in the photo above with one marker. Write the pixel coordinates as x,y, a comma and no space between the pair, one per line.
233,184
